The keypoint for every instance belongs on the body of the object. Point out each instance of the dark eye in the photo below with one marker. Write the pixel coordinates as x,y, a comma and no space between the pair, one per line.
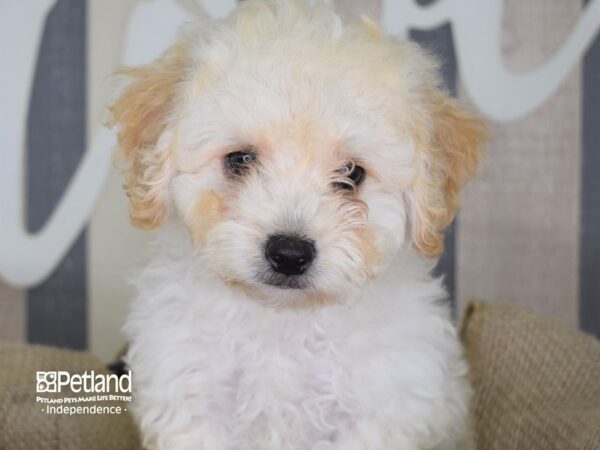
237,163
355,175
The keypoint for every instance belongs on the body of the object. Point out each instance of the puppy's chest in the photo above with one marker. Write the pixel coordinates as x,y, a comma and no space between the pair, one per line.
283,359
281,370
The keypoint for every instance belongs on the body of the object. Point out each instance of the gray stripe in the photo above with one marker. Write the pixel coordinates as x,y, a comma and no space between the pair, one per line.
57,309
589,283
12,313
439,41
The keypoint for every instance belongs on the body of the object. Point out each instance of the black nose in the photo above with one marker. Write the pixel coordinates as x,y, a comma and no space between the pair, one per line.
289,255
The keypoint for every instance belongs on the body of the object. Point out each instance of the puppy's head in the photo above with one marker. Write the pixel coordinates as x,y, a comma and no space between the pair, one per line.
301,153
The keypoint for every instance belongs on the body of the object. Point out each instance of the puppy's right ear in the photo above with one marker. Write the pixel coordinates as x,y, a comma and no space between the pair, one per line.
143,112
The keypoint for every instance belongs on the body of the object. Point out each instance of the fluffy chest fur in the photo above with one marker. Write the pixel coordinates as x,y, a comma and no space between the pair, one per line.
214,369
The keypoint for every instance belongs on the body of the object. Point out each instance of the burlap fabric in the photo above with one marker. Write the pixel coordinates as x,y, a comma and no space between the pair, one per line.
537,384
23,424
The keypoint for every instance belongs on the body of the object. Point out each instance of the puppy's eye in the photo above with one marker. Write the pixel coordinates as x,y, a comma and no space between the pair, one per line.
237,163
354,174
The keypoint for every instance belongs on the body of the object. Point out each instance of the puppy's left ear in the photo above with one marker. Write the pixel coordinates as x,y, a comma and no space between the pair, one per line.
449,156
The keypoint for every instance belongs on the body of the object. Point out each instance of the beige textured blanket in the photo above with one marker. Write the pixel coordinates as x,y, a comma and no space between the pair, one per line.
537,384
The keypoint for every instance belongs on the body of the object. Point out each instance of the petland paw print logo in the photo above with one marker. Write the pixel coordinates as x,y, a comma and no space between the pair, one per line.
88,382
47,381
82,393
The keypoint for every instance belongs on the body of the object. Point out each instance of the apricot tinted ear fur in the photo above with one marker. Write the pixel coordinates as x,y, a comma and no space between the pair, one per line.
451,156
143,111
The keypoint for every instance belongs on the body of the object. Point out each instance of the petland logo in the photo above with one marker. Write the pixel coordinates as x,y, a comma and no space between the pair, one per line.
89,382
95,387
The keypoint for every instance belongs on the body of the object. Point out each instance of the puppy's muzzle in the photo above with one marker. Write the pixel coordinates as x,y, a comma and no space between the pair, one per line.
289,255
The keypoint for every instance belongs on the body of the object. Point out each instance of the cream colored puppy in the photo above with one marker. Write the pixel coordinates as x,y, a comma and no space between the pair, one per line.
301,172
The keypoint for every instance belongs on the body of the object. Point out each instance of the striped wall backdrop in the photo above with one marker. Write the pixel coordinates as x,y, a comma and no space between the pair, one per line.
528,233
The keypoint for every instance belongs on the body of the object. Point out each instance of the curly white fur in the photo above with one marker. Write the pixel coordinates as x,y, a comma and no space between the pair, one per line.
215,370
364,355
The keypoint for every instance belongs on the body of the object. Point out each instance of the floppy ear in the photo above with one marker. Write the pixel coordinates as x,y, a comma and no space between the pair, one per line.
450,158
143,112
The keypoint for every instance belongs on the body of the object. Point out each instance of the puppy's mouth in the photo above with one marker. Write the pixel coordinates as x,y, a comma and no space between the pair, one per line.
285,282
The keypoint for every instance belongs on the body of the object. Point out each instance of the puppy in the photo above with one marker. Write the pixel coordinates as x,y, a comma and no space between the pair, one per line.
300,172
